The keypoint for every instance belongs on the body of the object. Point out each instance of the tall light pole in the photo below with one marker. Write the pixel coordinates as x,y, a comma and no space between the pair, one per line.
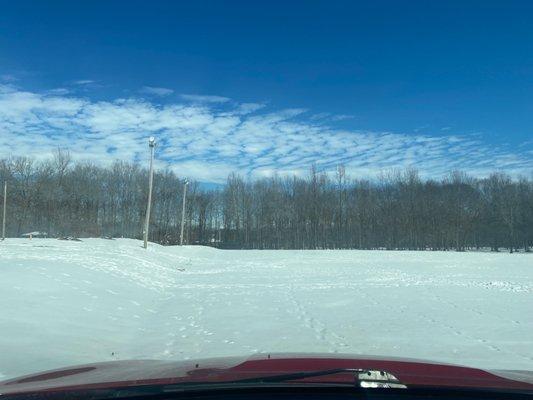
4,218
151,143
183,210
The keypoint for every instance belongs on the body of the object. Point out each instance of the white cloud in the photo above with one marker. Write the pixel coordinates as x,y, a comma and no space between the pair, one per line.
58,91
157,91
207,143
197,98
83,82
248,108
325,116
319,116
341,117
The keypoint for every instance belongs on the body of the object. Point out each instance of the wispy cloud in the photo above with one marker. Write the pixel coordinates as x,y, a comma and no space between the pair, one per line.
208,140
247,108
341,117
157,91
198,98
58,91
329,117
83,82
8,78
320,116
420,128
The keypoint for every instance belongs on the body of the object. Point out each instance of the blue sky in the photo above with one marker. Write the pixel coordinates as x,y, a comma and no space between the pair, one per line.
258,88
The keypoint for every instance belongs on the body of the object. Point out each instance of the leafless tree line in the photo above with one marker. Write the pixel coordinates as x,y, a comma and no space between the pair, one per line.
399,210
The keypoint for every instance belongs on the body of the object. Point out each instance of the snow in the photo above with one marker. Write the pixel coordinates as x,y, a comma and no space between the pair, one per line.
34,234
65,303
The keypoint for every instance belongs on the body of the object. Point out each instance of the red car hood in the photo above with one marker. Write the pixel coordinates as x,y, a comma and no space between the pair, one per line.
108,375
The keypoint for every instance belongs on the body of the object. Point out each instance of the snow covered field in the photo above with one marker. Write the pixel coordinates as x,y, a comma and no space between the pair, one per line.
64,303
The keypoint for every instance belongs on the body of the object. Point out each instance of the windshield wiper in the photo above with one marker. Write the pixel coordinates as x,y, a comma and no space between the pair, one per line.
366,378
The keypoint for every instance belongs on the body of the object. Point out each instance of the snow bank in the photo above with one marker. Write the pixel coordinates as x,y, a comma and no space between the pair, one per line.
64,303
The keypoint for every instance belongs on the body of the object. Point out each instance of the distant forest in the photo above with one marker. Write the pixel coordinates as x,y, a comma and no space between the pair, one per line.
398,210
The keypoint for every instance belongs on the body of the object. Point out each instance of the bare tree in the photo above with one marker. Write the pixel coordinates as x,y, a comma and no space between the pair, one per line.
399,210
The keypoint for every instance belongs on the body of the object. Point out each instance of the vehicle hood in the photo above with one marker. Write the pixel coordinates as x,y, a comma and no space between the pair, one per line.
108,375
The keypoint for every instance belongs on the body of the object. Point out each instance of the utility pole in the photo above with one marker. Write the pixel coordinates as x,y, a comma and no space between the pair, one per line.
183,210
4,218
151,143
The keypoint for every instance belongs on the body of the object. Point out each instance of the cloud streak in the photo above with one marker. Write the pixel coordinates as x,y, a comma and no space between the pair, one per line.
208,140
157,91
82,82
197,98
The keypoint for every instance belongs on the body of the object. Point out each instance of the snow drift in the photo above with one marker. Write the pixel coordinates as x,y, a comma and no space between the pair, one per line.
65,303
